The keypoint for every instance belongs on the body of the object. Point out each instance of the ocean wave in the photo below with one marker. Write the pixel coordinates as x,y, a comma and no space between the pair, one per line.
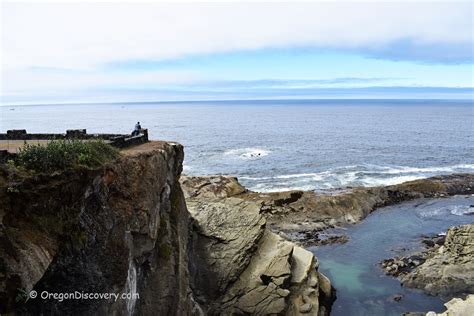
288,176
458,210
247,153
372,181
348,176
265,188
403,169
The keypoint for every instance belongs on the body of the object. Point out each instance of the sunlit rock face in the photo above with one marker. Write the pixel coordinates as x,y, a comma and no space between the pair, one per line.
239,265
449,270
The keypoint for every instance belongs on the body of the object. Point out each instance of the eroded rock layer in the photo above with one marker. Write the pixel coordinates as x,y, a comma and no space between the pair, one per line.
447,271
125,228
248,269
304,214
119,229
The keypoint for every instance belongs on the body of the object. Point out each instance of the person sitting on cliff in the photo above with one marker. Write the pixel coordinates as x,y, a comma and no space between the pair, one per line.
137,129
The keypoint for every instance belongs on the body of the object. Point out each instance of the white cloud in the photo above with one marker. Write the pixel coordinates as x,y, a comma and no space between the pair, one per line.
83,36
58,79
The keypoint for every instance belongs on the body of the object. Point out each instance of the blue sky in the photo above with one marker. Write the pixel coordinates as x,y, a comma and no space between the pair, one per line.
200,51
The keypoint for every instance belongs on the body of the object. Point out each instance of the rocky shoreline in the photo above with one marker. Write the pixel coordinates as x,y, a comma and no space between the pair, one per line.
185,245
258,271
445,269
306,216
126,227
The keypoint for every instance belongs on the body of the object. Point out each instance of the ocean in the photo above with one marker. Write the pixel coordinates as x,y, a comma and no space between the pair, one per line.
287,144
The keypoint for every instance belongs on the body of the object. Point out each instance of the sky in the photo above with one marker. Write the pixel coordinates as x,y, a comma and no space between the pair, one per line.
71,52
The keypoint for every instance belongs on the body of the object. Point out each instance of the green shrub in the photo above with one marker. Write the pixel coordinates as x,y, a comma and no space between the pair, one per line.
63,154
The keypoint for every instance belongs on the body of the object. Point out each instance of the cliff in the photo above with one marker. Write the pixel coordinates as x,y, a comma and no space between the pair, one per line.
244,267
121,228
125,228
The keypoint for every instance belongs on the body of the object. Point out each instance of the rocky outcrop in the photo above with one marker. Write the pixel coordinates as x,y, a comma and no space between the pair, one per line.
447,271
247,268
121,228
303,215
446,268
125,228
457,307
211,187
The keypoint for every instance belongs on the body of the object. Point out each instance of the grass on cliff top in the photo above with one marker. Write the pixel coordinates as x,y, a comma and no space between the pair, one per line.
63,154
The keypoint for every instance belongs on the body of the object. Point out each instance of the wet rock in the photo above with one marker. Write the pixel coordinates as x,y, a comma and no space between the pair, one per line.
396,298
305,211
428,243
448,271
457,307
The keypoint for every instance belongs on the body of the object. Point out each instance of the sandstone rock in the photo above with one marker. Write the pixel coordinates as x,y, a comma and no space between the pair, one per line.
210,186
247,269
449,271
306,308
457,307
244,267
298,211
226,235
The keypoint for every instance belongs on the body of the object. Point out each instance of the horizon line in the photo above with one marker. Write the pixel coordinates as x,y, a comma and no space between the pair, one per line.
239,100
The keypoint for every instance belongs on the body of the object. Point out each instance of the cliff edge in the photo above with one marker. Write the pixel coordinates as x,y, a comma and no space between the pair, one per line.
124,228
244,267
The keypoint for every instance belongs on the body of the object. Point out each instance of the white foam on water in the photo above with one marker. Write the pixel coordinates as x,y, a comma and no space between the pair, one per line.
247,153
437,212
301,175
346,176
461,210
404,169
372,181
318,176
458,210
266,188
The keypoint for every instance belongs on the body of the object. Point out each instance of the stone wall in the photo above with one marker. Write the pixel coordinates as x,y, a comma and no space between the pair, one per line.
117,140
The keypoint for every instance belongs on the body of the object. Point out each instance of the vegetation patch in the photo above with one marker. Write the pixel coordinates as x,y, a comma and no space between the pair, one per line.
63,154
